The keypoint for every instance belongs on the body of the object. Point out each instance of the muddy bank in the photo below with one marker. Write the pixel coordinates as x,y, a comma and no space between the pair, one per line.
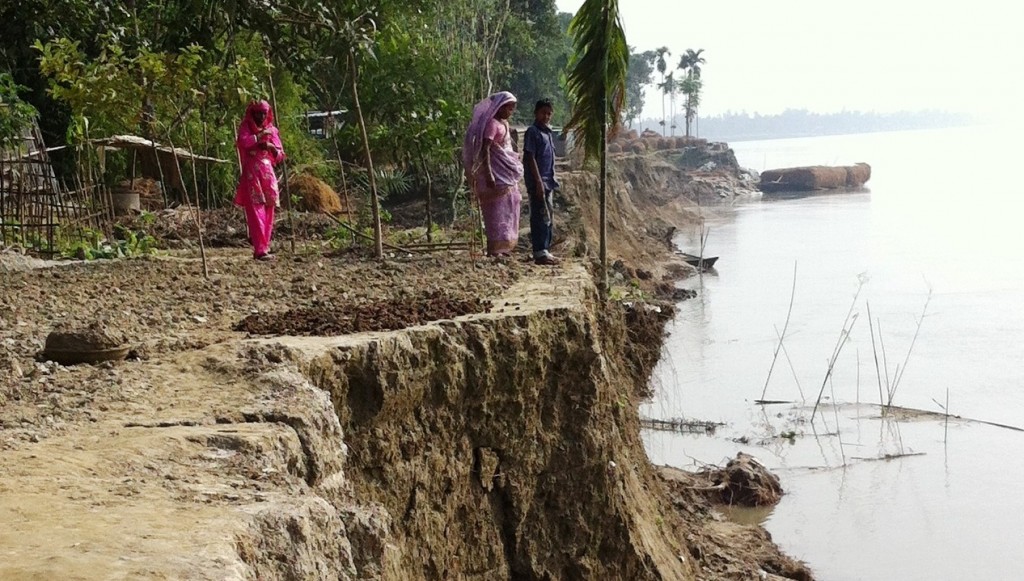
500,444
497,445
650,197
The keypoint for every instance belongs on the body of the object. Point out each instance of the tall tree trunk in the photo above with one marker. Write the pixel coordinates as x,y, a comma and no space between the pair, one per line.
378,236
672,107
603,196
689,115
665,121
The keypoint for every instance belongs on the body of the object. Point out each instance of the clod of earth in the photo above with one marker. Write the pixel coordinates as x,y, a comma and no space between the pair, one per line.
388,315
745,482
93,344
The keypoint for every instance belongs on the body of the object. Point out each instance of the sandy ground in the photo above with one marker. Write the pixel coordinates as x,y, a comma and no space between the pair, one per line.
164,305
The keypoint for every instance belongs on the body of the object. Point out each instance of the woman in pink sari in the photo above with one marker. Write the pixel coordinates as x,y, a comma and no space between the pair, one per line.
259,148
494,170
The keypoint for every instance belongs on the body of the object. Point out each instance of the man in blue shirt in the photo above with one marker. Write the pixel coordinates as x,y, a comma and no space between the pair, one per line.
539,162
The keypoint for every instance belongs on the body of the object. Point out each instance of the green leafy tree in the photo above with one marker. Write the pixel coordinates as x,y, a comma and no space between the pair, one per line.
641,68
597,89
534,54
166,96
691,86
183,69
15,115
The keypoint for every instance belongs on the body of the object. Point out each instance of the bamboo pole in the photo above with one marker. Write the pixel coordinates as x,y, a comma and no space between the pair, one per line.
284,162
206,166
355,231
378,234
199,208
3,204
344,181
102,194
198,212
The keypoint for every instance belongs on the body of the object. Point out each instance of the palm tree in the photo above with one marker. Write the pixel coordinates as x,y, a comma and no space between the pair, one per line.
661,63
691,61
691,86
597,90
670,87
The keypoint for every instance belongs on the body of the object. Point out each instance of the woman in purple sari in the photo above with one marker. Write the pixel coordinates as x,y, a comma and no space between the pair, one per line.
259,150
493,169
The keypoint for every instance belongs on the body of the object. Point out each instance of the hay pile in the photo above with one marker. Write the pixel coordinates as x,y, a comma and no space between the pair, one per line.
315,195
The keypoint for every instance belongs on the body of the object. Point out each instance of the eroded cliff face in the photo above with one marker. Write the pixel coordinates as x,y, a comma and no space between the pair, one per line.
650,197
505,446
496,446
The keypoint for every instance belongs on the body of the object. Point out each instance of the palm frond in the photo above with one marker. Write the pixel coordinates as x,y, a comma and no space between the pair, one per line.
597,80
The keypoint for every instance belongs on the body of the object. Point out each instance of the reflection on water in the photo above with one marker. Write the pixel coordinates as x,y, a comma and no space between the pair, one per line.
746,515
868,497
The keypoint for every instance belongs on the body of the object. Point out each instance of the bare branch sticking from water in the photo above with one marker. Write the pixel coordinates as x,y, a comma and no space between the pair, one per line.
782,336
844,336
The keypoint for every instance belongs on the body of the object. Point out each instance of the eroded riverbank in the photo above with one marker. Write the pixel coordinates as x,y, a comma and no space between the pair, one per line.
502,444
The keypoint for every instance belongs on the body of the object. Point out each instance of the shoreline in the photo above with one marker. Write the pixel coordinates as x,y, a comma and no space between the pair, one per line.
205,425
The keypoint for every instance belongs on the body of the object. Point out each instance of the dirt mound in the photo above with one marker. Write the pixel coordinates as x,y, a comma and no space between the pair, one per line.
743,482
387,315
818,177
95,336
720,548
314,194
857,175
94,343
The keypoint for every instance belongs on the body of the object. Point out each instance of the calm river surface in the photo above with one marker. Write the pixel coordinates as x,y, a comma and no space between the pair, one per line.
940,226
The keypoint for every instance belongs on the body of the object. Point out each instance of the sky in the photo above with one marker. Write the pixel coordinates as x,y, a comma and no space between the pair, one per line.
872,55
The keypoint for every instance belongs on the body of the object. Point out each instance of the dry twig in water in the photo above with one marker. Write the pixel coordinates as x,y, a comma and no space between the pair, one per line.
844,335
782,336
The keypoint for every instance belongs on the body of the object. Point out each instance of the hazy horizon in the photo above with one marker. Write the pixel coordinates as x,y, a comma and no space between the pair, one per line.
875,56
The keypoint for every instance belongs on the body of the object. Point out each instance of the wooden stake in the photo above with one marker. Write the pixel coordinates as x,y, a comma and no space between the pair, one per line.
284,162
198,210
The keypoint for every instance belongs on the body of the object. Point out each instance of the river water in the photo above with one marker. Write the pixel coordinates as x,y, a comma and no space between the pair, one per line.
937,233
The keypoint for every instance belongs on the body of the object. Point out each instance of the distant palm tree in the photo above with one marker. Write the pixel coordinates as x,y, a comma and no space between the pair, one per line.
661,63
690,64
597,90
691,61
691,88
670,87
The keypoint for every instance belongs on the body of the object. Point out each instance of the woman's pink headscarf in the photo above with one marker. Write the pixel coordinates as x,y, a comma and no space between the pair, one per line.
483,112
249,131
262,106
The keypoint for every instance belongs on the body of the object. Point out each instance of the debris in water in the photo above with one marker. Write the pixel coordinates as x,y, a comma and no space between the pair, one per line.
680,425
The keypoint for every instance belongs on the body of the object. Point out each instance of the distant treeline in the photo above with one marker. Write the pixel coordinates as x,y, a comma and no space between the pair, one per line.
803,123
